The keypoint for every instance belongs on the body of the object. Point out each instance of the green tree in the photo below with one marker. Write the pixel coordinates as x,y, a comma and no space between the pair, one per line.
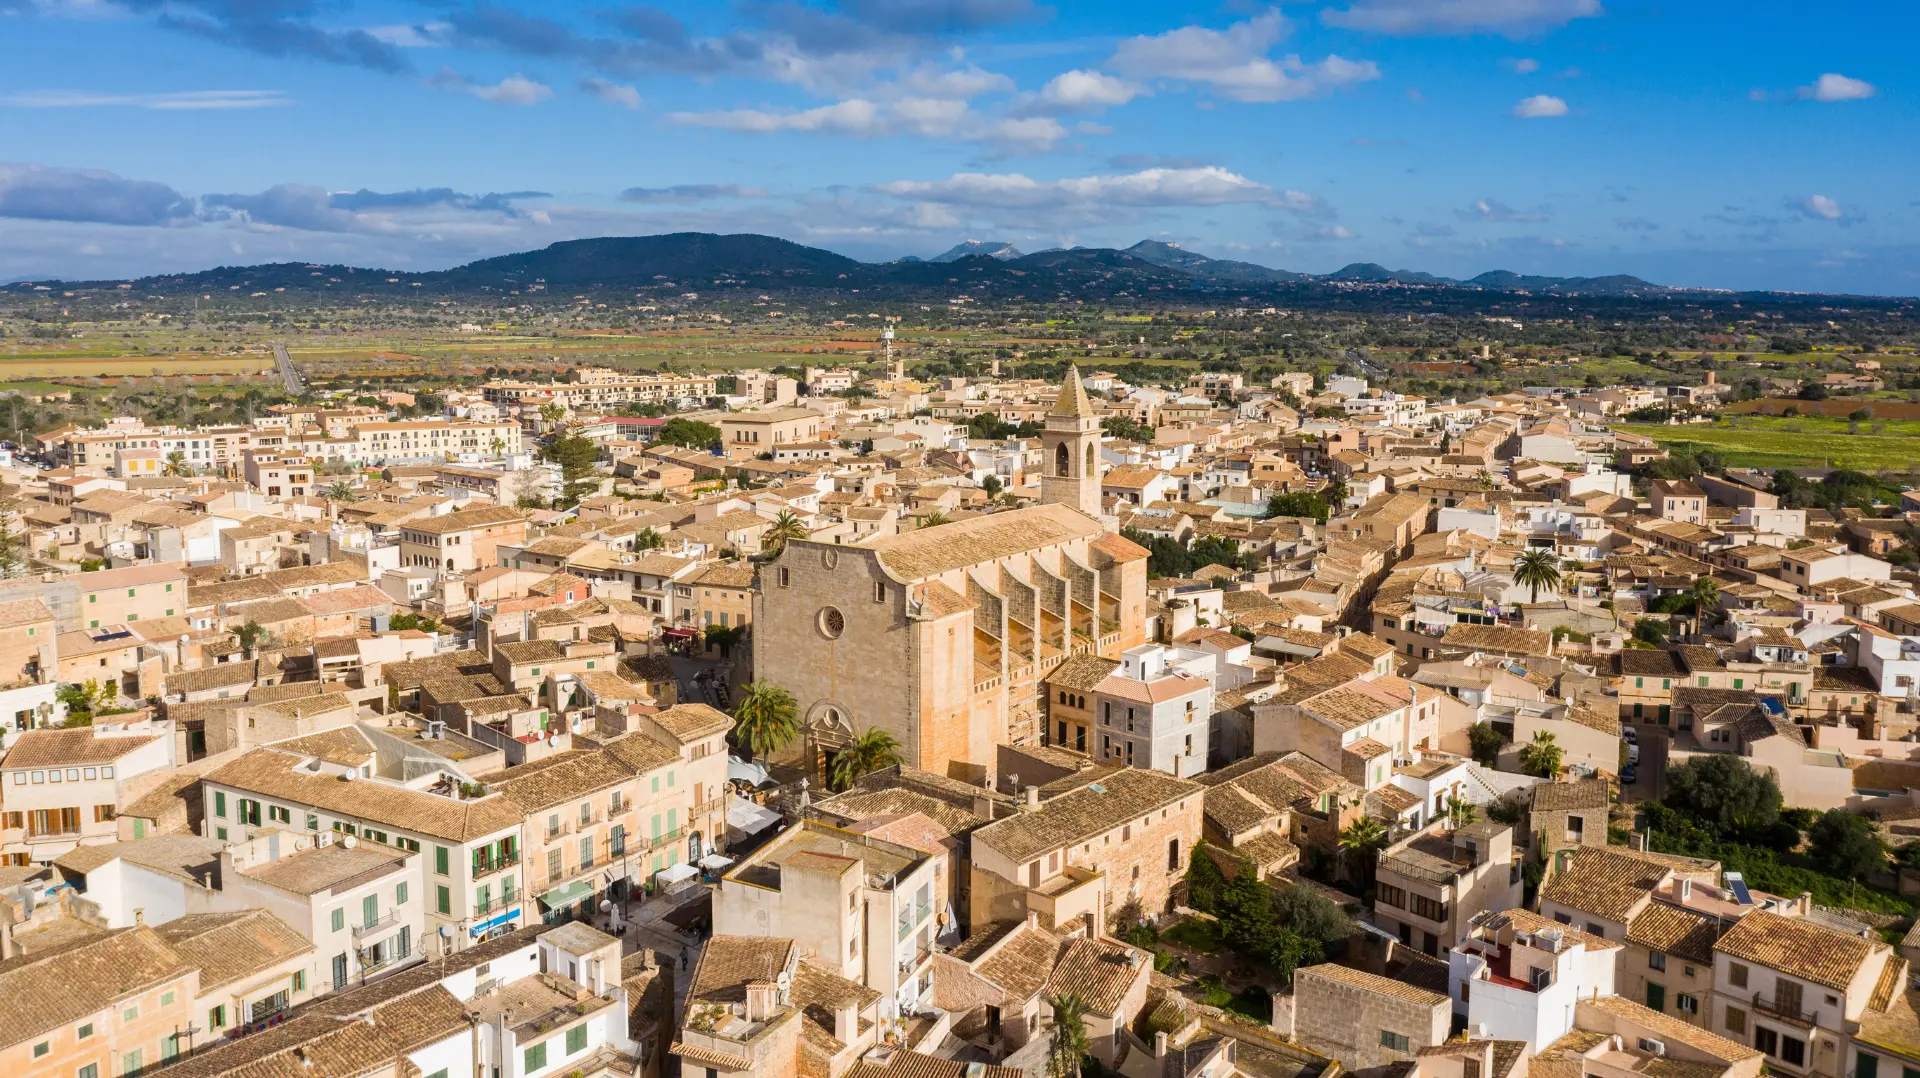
1460,813
1067,1044
1535,569
1298,503
1842,844
1705,594
787,525
576,457
766,719
1542,755
340,491
1205,881
1335,492
1485,743
552,413
252,636
1650,631
1122,427
690,433
1361,843
725,638
648,539
1723,796
1311,914
176,463
935,519
866,753
992,485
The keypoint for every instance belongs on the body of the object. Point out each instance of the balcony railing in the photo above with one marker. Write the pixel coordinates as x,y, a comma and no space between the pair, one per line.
496,905
665,839
384,921
1785,1010
487,868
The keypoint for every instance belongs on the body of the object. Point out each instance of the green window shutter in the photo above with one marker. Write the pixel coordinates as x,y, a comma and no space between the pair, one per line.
220,804
1656,997
339,919
673,820
576,1040
535,1058
370,909
443,900
440,860
1866,1066
400,894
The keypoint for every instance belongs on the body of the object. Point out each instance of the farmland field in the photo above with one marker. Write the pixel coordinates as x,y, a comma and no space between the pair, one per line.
1819,445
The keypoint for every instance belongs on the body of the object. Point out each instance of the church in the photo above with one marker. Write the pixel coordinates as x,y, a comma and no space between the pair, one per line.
943,636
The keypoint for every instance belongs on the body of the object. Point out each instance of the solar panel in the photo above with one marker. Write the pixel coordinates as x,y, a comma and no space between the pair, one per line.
1737,883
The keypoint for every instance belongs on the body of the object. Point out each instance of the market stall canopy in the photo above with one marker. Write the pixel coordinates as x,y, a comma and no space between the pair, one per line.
744,815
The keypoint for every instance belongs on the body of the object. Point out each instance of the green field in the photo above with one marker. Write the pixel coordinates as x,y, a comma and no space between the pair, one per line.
1820,443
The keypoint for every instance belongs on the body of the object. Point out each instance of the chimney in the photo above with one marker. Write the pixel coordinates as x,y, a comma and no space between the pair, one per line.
846,1021
760,1000
1160,1044
1805,902
1033,797
1683,888
139,915
1712,378
1637,841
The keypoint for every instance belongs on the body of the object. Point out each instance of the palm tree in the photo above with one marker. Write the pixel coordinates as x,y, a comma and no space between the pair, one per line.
1361,841
786,525
1706,594
1537,568
935,519
176,463
1541,756
341,491
1460,813
866,753
766,720
1068,1045
1335,492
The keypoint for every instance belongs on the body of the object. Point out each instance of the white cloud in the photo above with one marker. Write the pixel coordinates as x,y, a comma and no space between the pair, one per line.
1209,186
964,83
1027,134
1510,17
1821,208
1833,87
512,90
1523,66
1539,106
1084,89
1234,62
1487,209
611,92
183,100
927,117
430,35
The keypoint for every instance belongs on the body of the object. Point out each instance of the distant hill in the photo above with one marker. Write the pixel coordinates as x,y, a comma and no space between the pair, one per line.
968,248
1219,269
704,262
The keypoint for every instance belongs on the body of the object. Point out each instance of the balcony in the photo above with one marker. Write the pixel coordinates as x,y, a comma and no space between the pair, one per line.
1786,1010
484,869
491,906
385,921
911,964
664,839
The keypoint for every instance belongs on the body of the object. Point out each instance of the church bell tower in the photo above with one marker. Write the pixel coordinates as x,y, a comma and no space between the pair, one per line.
1071,450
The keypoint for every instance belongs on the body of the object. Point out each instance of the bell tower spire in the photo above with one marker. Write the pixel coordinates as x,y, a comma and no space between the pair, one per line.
1070,444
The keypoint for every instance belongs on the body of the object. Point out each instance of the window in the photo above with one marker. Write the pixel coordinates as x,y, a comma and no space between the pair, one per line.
1737,975
440,862
42,1049
1656,960
535,1058
1793,1050
299,980
1866,1066
1687,1004
370,910
339,971
131,1014
1736,1021
576,1040
220,804
217,1017
91,1070
131,1062
1396,1042
85,1031
1656,997
166,999
443,900
338,919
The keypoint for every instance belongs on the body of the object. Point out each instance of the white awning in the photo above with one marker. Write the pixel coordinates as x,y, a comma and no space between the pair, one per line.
744,815
715,861
673,874
738,770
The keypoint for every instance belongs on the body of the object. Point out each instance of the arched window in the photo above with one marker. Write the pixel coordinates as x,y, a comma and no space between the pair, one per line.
1088,470
1062,460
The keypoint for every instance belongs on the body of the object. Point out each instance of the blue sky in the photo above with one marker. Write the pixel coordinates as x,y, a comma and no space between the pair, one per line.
1763,144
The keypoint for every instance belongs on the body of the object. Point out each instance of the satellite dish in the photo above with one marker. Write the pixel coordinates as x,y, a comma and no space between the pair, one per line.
446,930
606,904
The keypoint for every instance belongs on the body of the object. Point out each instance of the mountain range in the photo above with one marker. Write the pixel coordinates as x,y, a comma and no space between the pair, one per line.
678,263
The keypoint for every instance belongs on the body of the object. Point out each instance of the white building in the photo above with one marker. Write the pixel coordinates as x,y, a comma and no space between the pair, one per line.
1154,710
1518,976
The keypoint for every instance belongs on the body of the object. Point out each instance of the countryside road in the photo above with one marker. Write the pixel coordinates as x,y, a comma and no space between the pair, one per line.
287,373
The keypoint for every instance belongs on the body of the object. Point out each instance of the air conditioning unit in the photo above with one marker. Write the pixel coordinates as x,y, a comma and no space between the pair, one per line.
1648,1044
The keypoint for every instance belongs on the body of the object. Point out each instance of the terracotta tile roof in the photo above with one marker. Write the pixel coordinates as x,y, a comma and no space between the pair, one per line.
1084,812
688,722
1605,882
1673,1029
228,946
71,748
92,974
1100,971
1082,673
1675,931
929,552
464,519
728,963
1799,947
1370,982
1557,796
1528,921
277,774
559,779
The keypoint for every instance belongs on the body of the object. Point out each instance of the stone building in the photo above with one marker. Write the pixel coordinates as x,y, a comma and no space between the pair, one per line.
943,636
1365,1020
